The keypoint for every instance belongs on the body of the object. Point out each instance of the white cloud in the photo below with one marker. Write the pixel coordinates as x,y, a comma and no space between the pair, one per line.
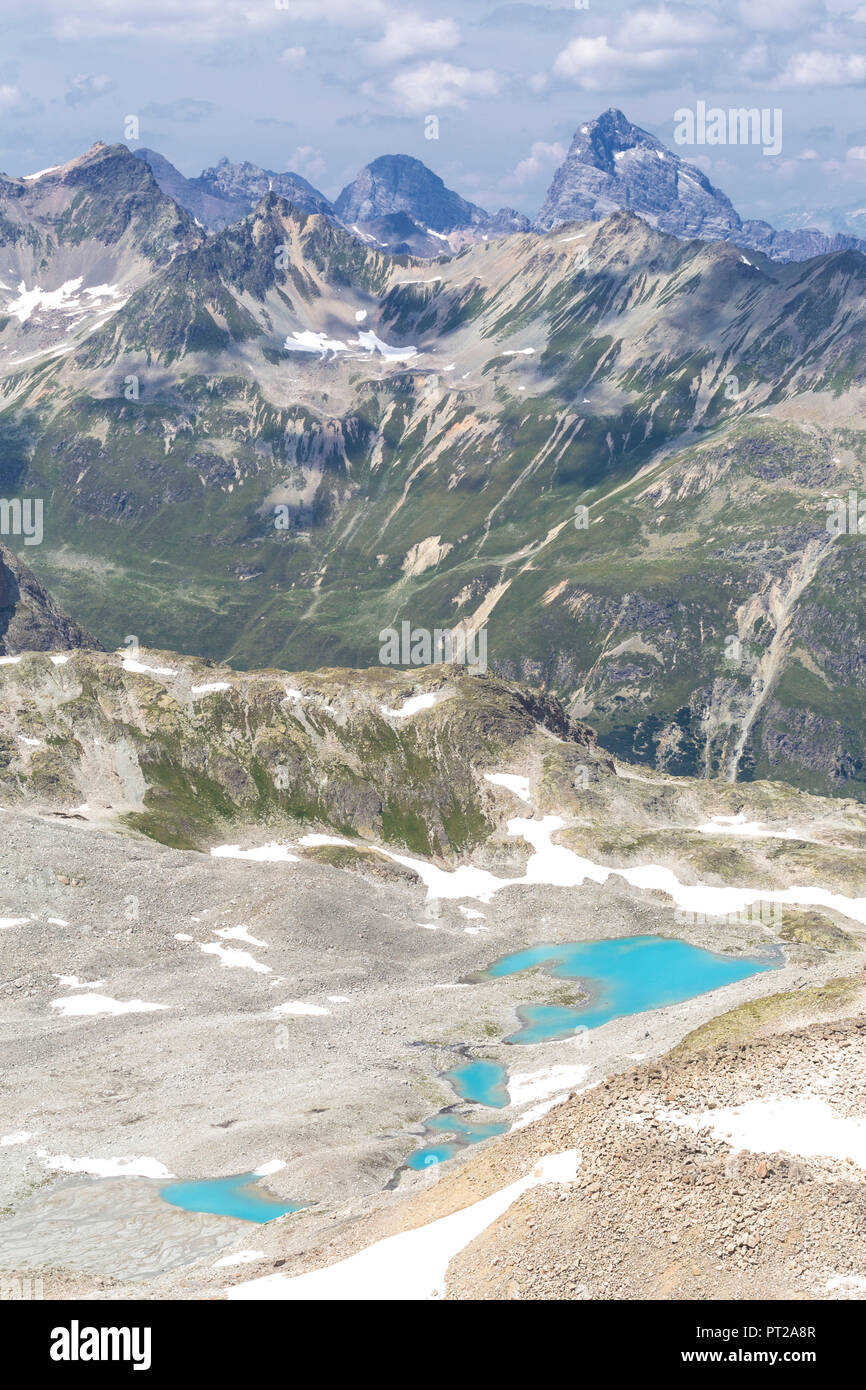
201,21
541,157
293,57
409,35
669,26
88,87
856,152
307,161
596,65
10,98
817,69
756,61
436,84
781,16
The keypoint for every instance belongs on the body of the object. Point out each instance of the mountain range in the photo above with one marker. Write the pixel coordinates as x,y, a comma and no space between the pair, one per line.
613,449
397,204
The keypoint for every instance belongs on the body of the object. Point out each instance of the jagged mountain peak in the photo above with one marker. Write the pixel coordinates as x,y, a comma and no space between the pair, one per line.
600,140
613,164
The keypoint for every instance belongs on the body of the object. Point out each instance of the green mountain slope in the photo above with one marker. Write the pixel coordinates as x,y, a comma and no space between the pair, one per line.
324,442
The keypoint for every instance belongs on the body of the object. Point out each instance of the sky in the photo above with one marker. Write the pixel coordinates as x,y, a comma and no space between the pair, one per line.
321,87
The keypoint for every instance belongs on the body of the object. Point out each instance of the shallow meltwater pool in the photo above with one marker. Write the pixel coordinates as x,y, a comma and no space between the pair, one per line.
486,1083
626,976
237,1196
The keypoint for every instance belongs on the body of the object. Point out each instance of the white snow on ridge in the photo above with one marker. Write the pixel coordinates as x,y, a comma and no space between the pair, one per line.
308,341
215,688
130,664
67,299
109,1167
7,922
412,1265
526,1086
232,958
273,1165
805,1126
40,172
412,706
20,1136
371,343
28,300
73,982
558,866
241,933
273,853
87,1005
512,783
314,840
738,825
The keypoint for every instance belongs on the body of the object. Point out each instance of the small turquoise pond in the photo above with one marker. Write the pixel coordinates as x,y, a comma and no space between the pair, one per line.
465,1132
625,976
482,1083
236,1196
486,1083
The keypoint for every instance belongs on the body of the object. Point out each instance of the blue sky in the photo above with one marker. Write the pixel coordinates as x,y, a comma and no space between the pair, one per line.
323,86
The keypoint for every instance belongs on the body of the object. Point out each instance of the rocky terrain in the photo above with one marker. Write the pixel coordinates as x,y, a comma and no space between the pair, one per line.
397,204
613,164
245,923
629,460
30,620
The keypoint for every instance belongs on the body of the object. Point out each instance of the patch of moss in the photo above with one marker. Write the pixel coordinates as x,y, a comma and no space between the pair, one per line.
746,1021
814,929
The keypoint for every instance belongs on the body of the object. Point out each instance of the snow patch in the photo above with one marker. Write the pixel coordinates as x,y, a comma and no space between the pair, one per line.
88,1005
412,1265
412,706
232,958
110,1167
518,785
805,1126
273,854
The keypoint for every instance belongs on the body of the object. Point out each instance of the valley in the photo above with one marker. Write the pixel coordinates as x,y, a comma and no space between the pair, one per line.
431,736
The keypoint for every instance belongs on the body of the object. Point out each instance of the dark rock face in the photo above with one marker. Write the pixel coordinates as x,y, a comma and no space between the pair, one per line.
211,210
245,184
228,192
30,620
398,183
613,164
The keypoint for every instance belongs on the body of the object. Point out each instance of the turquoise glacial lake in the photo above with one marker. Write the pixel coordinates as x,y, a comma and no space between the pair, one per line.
486,1083
236,1196
622,977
